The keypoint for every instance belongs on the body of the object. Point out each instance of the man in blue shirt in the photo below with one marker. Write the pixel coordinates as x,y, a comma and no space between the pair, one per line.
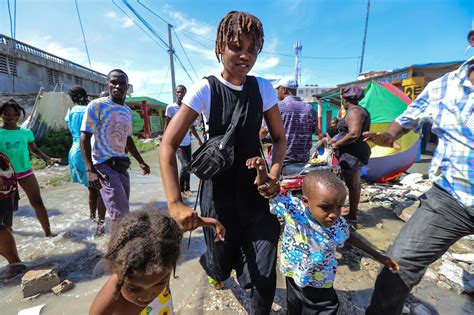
446,211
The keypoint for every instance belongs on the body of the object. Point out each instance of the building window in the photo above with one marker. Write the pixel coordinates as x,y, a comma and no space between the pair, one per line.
300,91
78,81
53,76
7,65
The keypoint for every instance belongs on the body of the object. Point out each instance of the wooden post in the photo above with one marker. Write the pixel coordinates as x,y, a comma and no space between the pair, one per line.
146,120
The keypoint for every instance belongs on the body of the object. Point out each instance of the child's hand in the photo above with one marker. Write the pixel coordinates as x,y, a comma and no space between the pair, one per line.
259,164
388,262
219,229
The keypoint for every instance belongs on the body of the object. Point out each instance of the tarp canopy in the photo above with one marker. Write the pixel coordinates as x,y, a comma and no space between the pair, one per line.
151,102
382,104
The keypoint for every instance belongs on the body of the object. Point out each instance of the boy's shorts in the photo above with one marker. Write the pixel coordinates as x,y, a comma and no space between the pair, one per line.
115,190
7,206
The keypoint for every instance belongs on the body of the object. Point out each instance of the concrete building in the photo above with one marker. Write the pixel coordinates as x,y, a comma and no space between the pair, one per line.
308,91
25,69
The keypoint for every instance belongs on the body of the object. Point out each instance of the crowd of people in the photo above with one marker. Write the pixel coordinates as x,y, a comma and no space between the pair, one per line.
240,204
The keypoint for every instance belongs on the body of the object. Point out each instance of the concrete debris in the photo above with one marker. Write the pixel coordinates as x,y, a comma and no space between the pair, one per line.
460,280
379,225
64,286
420,309
467,258
39,281
411,179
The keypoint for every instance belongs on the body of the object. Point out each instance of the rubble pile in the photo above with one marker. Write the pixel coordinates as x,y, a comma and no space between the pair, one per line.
455,269
400,196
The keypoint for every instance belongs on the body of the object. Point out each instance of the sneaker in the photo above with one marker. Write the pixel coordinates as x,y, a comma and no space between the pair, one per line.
218,285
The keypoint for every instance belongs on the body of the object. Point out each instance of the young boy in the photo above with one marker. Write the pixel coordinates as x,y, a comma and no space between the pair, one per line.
313,230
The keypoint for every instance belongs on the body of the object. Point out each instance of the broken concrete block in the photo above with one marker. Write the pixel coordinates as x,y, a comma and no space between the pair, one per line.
64,286
379,225
431,274
411,179
39,281
458,278
467,258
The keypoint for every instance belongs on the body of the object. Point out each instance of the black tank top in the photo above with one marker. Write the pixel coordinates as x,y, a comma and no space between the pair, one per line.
359,148
233,194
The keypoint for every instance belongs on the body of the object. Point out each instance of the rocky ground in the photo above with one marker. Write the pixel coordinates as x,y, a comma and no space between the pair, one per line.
383,210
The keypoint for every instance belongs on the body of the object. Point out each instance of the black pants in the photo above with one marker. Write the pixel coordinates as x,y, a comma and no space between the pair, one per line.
252,251
436,225
184,157
310,300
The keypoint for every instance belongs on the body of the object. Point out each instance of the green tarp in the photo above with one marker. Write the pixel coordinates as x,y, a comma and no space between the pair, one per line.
382,104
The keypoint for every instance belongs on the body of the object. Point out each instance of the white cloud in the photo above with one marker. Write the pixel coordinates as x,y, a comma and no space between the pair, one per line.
189,24
45,43
127,22
111,14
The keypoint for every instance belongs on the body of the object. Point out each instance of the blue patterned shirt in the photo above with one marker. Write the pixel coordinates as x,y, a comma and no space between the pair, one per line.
308,248
448,103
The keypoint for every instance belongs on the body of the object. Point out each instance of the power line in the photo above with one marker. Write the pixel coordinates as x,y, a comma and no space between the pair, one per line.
267,52
147,25
164,80
182,66
152,12
196,41
139,26
184,51
83,35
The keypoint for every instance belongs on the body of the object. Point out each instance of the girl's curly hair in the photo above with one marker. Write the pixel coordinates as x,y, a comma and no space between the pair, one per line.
234,24
13,104
144,241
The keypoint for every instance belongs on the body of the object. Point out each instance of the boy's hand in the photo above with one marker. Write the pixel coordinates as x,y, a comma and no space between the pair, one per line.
259,164
219,229
145,168
93,179
388,262
187,218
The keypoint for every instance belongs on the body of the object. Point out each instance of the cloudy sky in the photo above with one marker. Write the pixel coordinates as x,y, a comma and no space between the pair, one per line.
401,33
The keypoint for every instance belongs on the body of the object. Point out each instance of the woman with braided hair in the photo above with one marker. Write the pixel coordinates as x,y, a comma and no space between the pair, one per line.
142,254
76,163
231,196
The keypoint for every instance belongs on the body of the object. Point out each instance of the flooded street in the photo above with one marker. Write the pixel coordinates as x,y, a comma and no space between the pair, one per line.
76,251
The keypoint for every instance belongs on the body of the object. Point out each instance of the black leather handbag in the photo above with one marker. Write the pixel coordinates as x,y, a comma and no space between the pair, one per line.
217,153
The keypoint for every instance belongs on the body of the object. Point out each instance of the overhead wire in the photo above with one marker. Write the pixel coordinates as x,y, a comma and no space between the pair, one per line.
174,52
147,25
185,54
83,35
164,80
139,26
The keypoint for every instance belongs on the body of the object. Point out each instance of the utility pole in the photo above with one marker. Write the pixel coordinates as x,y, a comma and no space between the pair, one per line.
365,37
171,52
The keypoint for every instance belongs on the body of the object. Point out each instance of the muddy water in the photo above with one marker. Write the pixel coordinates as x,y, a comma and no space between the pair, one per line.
75,249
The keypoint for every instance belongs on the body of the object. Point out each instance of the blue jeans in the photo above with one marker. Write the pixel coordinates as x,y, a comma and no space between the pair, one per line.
438,223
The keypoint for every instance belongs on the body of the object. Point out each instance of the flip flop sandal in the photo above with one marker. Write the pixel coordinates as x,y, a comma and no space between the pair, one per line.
218,285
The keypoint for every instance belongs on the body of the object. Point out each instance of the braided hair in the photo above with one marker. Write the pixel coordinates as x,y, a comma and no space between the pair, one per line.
234,24
144,241
13,104
78,95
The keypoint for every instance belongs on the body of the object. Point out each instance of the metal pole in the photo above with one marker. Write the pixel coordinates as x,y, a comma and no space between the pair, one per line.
171,52
365,37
